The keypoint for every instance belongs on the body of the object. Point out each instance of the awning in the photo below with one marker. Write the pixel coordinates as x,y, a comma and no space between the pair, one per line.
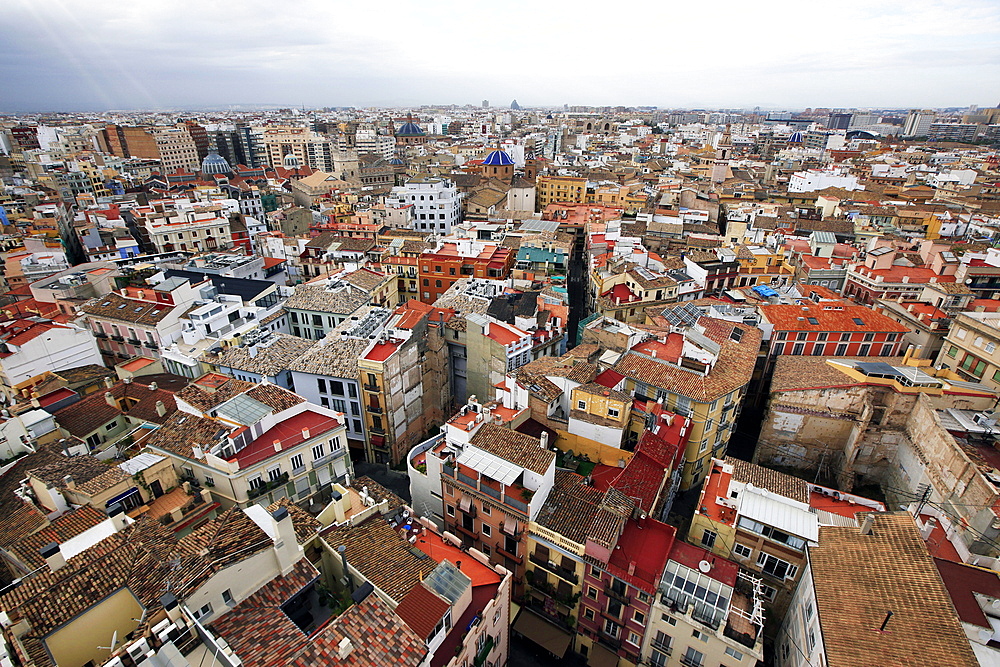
543,633
465,503
602,657
510,526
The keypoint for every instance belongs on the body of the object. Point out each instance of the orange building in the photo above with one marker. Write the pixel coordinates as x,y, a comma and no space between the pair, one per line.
440,268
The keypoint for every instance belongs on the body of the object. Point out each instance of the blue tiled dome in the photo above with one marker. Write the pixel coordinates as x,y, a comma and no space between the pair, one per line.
409,129
795,138
214,164
498,158
396,162
290,162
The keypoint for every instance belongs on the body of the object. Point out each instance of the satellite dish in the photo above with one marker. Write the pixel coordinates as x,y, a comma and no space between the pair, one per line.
705,567
114,643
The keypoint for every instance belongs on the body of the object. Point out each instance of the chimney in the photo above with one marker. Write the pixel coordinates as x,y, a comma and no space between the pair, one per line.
161,409
277,445
286,546
53,557
169,603
866,525
344,648
110,400
108,382
68,481
117,515
305,434
925,532
152,386
544,437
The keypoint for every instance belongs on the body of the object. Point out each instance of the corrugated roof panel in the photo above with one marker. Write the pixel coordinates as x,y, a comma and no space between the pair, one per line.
784,514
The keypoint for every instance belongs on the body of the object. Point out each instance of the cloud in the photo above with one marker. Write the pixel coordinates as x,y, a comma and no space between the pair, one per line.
61,54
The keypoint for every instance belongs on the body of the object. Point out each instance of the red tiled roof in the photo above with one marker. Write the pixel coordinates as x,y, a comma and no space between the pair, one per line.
421,609
789,317
641,553
288,432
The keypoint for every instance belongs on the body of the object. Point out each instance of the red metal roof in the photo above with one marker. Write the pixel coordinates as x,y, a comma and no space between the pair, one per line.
421,609
289,432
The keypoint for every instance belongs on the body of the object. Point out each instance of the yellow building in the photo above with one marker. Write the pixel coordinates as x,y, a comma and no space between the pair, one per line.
560,190
701,374
760,265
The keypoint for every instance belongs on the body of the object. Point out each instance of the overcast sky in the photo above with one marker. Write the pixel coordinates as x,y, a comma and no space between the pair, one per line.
104,54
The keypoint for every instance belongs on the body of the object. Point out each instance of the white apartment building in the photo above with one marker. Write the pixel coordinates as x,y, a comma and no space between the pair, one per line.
820,179
29,348
189,228
368,140
436,202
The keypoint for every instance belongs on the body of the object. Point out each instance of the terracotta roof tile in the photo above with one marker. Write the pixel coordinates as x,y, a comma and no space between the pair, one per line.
513,446
859,578
772,480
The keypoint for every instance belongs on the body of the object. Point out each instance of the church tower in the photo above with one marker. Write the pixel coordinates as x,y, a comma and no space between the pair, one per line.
723,153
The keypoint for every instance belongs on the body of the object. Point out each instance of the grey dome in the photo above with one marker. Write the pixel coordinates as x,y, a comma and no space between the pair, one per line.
214,164
291,162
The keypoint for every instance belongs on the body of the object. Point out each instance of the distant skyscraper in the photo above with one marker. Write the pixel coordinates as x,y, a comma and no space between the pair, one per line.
514,106
839,121
486,104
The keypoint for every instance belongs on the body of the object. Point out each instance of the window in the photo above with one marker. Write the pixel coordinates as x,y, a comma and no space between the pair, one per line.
451,510
321,385
845,336
486,510
769,592
780,336
809,610
297,462
612,412
204,611
634,639
733,653
812,320
611,628
694,658
960,333
227,597
487,531
857,320
708,539
588,613
639,617
668,619
821,336
801,336
255,482
864,349
952,351
742,550
811,640
581,405
317,452
990,347
657,659
698,634
776,567
591,592
274,474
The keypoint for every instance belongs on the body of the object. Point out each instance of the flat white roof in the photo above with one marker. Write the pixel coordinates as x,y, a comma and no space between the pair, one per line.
490,465
779,512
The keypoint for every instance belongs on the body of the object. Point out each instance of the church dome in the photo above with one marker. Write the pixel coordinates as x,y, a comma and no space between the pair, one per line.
290,162
409,129
498,158
795,138
214,164
396,162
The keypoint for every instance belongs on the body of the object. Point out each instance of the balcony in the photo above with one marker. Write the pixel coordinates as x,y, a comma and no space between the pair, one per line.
377,430
375,409
100,334
557,570
620,596
613,643
133,341
743,638
257,491
513,556
118,339
666,649
466,531
491,492
691,662
448,470
484,652
370,387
